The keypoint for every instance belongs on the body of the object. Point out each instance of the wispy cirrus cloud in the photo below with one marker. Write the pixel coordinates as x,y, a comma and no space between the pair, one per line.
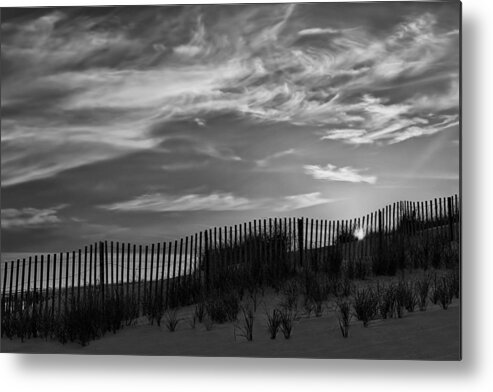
392,124
333,173
26,218
295,202
352,136
268,159
195,202
318,31
63,69
215,202
182,166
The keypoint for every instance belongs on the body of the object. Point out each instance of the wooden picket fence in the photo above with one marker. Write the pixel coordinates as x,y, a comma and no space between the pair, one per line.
266,249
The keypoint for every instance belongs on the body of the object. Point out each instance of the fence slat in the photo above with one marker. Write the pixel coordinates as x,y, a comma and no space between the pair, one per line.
361,237
168,282
198,258
457,212
146,253
84,271
79,268
48,262
151,270
106,265
257,229
323,241
41,277
450,218
222,249
207,248
89,283
338,227
17,268
156,276
334,227
22,279
179,263
112,266
315,245
28,276
139,279
300,237
144,287
175,250
185,261
102,269
120,261
248,247
188,260
163,263
292,246
127,286
67,256
115,268
4,288
213,254
329,244
366,233
437,230
134,261
231,246
97,260
306,231
12,280
60,274
310,245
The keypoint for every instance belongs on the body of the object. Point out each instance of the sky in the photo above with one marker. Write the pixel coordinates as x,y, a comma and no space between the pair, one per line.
145,124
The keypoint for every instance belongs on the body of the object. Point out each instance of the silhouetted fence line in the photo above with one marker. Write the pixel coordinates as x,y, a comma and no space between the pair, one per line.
265,250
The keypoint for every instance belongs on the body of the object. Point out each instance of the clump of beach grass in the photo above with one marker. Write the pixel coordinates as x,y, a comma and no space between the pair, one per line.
344,317
244,327
273,322
365,304
171,319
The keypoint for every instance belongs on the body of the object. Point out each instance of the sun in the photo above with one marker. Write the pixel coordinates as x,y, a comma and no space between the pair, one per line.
359,233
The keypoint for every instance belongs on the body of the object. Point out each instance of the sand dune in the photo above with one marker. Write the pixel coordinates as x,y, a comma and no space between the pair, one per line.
430,335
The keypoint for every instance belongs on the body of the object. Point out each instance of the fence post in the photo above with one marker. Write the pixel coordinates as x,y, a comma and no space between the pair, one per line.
22,282
450,218
292,242
206,259
78,274
162,270
85,269
59,282
4,289
380,233
300,240
168,280
101,269
179,279
67,258
12,263
41,274
198,256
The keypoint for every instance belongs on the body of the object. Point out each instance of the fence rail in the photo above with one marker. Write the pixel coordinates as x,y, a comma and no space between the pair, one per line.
266,248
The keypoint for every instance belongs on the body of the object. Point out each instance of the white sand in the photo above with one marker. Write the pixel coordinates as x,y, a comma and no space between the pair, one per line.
430,335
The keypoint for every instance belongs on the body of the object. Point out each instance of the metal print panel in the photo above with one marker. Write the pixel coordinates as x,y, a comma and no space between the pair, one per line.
262,180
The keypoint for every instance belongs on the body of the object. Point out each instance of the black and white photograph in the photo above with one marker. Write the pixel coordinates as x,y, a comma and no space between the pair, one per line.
232,180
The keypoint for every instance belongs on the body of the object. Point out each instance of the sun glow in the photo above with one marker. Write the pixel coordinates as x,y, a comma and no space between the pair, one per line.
359,233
